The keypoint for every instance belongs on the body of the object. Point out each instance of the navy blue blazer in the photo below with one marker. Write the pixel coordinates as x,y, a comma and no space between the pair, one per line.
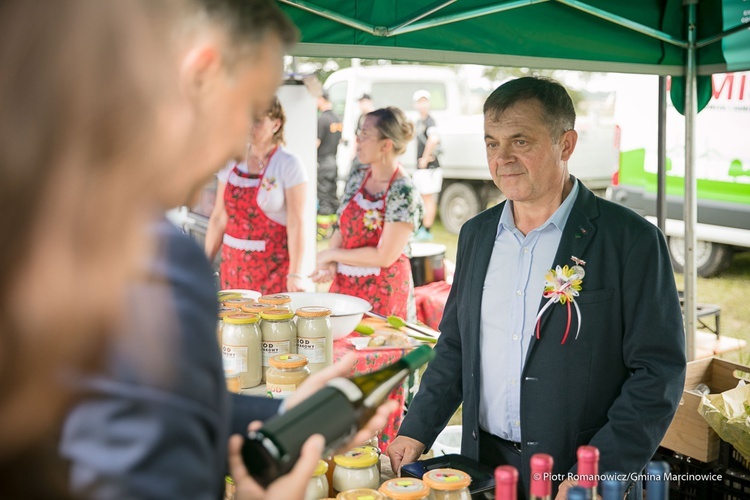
616,387
155,423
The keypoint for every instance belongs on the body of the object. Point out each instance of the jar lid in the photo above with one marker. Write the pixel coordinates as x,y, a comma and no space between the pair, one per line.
321,468
228,295
404,488
239,302
447,479
288,361
360,494
241,318
367,447
356,459
276,314
256,307
224,311
313,312
275,299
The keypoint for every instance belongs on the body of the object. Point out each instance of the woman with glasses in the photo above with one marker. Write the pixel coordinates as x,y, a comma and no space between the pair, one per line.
257,216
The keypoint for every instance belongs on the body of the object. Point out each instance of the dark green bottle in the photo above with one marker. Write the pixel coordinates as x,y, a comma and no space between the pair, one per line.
337,411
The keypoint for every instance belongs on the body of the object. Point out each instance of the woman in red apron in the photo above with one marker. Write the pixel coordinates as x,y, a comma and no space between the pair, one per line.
257,218
380,211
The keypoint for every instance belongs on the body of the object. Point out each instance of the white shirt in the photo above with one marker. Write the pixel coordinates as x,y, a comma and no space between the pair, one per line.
284,171
512,292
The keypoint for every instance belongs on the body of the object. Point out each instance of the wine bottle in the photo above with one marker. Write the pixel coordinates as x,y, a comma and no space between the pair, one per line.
506,483
578,493
541,477
613,488
588,469
657,483
337,411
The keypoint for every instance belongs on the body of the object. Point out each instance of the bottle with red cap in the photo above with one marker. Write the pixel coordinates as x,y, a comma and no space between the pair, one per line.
541,477
588,469
506,483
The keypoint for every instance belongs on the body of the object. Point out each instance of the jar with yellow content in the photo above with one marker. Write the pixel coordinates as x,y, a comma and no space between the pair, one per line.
241,348
448,484
223,312
403,488
279,335
286,373
356,469
278,300
360,494
315,336
317,488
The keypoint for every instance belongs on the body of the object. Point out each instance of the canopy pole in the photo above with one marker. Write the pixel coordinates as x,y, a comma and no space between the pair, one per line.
661,161
690,209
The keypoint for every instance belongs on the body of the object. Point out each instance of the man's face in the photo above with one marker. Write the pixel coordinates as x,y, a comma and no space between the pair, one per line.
525,163
423,105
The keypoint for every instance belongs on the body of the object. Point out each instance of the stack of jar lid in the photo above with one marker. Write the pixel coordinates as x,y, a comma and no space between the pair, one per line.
258,338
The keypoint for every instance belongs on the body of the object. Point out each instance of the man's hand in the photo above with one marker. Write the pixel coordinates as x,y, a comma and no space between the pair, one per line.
342,369
404,450
291,485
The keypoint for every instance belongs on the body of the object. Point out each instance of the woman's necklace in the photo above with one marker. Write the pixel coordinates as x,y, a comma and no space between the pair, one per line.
260,163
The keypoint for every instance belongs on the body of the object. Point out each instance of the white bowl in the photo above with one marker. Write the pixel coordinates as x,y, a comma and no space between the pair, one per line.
246,294
346,310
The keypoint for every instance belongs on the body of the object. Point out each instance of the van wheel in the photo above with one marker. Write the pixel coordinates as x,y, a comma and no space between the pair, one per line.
459,202
710,258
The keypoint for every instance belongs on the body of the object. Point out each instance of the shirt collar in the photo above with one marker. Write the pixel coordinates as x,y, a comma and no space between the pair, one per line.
559,218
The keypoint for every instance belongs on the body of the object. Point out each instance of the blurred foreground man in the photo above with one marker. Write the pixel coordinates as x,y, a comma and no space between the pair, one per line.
563,326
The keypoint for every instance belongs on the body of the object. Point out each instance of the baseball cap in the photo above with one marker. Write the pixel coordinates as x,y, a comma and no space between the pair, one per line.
365,96
421,94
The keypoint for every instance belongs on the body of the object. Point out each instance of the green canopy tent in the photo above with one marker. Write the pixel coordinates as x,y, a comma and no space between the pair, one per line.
682,38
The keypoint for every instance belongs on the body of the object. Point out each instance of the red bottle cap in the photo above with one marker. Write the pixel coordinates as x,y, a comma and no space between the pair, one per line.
541,468
506,478
588,466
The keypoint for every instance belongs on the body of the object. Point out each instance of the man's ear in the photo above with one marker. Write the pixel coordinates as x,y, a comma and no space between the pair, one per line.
568,143
199,70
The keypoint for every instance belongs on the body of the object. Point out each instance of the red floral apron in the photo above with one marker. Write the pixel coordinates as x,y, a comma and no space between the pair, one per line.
361,225
254,253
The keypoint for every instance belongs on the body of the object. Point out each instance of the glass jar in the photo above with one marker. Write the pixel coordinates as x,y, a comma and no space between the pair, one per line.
257,308
317,488
405,488
223,312
359,493
279,335
232,380
356,469
286,373
315,336
224,295
237,302
448,484
277,300
373,449
241,348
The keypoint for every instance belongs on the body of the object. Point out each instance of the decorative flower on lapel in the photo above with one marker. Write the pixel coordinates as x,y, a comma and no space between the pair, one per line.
562,285
373,220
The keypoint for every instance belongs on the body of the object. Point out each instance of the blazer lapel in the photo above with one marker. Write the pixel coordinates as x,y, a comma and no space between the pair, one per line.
578,233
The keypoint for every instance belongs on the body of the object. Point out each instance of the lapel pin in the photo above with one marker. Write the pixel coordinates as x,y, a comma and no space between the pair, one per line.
582,230
578,268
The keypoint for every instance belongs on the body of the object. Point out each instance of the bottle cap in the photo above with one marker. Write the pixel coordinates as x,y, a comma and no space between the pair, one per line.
288,361
222,296
275,300
313,312
588,466
446,479
541,467
241,318
321,468
275,314
224,311
404,488
360,494
356,459
418,357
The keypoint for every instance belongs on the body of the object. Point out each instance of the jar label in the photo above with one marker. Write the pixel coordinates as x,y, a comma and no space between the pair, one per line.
272,348
279,391
234,358
314,348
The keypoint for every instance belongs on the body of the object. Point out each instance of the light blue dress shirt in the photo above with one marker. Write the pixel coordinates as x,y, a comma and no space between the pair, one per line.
512,292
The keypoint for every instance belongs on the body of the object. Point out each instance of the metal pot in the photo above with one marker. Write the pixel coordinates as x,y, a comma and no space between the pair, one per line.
427,263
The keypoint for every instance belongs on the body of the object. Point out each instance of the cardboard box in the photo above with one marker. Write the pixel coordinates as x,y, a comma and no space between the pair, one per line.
689,434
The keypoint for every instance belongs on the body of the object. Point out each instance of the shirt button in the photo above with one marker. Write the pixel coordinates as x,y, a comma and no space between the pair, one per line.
526,250
519,292
512,381
516,423
515,337
474,434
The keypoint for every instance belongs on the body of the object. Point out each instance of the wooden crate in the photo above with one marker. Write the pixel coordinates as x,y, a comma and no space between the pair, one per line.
689,434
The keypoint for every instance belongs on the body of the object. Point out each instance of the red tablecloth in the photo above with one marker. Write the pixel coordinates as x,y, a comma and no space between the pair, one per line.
370,360
431,300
